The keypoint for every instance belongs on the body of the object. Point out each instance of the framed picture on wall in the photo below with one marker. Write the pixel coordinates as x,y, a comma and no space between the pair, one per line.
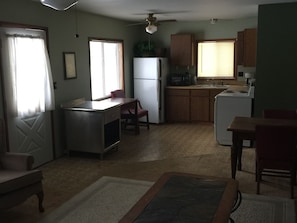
69,65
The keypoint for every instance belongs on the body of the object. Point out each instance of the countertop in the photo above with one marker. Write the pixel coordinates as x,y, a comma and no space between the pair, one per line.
209,86
94,106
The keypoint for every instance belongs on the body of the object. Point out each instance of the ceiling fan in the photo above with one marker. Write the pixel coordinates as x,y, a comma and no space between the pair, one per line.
152,23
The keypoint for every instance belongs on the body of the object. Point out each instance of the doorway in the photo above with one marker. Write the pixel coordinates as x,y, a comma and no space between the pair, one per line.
28,130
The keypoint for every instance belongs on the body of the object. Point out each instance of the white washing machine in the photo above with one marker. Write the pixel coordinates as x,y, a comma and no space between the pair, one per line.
229,104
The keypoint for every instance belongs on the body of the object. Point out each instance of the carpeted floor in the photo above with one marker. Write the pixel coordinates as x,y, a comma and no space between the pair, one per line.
167,147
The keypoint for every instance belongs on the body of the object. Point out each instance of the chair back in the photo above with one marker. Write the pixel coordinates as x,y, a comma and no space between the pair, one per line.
118,94
276,146
279,114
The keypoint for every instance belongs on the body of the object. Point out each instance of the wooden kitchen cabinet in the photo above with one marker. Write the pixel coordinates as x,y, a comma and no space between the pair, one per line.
247,47
182,50
177,105
199,103
190,105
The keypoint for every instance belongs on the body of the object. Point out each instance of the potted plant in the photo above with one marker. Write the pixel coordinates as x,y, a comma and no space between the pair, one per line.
144,49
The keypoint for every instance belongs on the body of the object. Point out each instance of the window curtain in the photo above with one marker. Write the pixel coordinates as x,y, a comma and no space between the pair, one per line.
28,76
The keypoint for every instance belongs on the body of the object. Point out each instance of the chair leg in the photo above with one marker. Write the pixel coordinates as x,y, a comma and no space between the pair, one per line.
293,182
136,126
40,196
258,179
147,122
258,187
292,190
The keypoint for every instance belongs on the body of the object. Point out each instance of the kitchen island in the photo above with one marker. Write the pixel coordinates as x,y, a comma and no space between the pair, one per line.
93,126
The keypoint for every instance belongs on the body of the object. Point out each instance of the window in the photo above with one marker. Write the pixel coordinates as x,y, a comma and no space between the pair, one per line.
29,78
215,59
106,66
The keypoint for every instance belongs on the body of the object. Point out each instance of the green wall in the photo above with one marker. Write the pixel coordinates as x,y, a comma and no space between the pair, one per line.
276,76
61,30
61,26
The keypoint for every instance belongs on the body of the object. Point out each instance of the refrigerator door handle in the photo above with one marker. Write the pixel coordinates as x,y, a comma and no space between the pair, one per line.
160,68
160,94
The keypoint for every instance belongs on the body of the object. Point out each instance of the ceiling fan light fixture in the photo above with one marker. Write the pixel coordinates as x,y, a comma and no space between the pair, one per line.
59,5
213,21
151,29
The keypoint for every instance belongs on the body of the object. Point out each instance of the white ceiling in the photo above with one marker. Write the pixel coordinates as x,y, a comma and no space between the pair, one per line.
181,10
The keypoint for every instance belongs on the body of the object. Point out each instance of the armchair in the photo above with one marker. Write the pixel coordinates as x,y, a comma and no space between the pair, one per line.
17,179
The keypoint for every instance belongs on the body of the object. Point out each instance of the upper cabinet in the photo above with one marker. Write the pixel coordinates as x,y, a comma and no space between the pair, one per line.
247,47
182,49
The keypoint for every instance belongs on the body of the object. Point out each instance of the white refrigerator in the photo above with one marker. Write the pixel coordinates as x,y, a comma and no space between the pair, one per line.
150,75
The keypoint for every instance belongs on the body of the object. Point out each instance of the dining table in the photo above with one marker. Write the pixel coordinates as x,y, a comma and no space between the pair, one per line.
244,128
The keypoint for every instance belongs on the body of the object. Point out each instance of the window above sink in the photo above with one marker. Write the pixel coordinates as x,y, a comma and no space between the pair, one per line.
215,59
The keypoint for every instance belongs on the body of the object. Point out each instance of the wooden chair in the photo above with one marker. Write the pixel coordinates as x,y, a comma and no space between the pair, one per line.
276,153
279,114
132,114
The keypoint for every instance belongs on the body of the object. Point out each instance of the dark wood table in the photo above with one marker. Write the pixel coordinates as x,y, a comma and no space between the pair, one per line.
244,128
184,197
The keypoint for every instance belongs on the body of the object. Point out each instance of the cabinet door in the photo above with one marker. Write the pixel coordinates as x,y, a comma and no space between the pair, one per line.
200,105
240,47
250,46
177,105
182,50
246,47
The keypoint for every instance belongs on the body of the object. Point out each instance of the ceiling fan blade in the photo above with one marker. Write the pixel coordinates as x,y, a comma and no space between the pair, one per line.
168,20
137,24
160,12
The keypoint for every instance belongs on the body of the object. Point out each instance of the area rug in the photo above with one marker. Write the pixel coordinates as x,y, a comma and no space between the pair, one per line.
110,198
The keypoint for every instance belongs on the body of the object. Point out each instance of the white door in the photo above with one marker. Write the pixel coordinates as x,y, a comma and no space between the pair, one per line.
27,135
32,135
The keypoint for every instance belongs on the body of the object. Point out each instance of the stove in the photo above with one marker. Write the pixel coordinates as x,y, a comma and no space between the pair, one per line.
228,104
237,93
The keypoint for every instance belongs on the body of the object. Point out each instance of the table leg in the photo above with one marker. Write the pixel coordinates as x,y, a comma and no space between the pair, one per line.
239,153
233,160
235,153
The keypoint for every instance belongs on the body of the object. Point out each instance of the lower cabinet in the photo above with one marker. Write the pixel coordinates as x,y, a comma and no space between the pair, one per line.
199,106
177,105
187,105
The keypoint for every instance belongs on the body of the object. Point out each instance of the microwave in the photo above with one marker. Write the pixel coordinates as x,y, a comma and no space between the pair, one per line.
180,79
